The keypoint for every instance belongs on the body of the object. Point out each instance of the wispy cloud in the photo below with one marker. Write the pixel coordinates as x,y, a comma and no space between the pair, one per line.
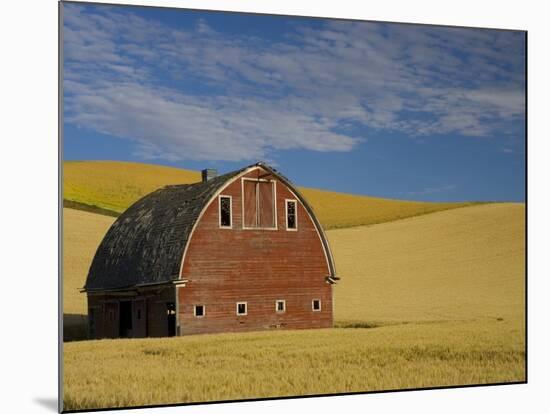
198,93
430,190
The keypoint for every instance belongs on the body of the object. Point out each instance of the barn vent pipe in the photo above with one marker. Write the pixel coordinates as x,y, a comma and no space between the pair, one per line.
208,174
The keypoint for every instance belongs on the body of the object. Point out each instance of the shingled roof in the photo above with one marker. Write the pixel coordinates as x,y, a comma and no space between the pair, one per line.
145,245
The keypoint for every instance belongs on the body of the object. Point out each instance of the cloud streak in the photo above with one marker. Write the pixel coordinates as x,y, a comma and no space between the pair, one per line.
198,93
430,190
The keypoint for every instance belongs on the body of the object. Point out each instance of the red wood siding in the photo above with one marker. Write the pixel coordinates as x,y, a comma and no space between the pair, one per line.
255,266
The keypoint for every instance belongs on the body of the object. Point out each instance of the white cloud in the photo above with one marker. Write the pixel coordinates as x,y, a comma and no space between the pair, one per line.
430,190
136,79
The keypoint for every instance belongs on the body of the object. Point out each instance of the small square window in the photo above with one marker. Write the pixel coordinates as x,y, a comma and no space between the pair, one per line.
241,308
200,310
280,306
316,305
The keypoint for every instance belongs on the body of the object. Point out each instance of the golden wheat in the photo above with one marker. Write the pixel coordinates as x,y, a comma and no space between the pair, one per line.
115,185
457,264
339,210
115,373
82,233
444,294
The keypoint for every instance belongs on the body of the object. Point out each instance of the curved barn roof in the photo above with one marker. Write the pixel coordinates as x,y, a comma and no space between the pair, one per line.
145,245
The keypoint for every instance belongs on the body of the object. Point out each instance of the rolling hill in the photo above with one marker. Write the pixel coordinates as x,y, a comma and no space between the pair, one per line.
461,264
452,265
109,187
443,292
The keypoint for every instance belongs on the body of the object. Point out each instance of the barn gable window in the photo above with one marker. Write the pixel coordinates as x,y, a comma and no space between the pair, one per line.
226,219
200,311
316,305
280,306
242,308
259,209
291,215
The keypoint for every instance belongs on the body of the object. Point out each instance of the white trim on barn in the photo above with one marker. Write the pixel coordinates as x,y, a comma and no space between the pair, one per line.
206,205
203,311
318,228
313,305
245,309
321,234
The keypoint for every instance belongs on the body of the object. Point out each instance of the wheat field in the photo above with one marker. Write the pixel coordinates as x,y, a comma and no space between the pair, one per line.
453,265
432,300
116,373
82,233
115,185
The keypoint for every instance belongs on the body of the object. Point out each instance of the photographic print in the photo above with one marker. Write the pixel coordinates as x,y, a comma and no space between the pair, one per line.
266,206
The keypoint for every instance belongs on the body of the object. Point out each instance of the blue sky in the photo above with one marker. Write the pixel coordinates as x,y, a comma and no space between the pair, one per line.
389,110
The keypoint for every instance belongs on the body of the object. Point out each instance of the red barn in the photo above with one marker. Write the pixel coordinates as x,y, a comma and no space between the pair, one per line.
237,252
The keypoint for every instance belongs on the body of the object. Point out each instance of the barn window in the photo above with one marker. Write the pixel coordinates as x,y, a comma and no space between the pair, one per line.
259,210
241,308
316,305
291,215
225,212
200,310
138,316
280,306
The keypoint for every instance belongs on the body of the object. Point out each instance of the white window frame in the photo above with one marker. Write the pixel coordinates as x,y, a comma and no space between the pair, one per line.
203,311
290,200
220,211
313,305
277,307
245,308
258,202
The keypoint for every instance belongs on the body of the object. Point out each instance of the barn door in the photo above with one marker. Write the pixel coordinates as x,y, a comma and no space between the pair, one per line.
250,204
266,205
111,320
125,319
171,318
140,319
92,321
259,204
